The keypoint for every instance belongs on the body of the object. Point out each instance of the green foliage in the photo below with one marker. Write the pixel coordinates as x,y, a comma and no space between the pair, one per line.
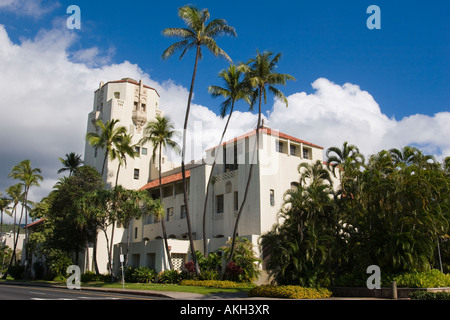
17,271
90,276
288,291
391,210
214,283
144,274
424,295
244,265
428,279
57,262
170,276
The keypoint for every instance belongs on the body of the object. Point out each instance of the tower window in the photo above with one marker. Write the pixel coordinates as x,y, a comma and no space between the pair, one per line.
219,204
136,174
272,197
117,95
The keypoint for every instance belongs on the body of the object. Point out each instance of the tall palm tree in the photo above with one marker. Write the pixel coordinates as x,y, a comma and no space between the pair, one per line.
70,163
16,195
30,177
4,208
160,133
348,159
122,150
261,76
198,34
109,138
234,89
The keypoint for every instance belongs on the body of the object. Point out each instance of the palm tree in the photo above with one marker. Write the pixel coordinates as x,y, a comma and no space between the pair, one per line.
16,195
198,34
122,150
160,133
259,74
109,138
70,163
348,159
234,90
30,177
4,208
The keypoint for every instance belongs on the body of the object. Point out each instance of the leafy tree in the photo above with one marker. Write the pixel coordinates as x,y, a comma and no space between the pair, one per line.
197,35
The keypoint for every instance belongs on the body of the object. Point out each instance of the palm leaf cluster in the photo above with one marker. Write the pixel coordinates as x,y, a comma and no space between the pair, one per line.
391,210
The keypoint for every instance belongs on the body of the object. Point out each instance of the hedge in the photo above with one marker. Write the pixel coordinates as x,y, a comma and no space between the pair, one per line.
214,283
290,292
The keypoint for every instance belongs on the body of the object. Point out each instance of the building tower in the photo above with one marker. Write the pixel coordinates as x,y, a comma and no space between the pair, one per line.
133,104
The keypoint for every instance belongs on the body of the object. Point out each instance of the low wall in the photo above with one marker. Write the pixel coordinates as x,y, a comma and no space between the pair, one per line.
385,293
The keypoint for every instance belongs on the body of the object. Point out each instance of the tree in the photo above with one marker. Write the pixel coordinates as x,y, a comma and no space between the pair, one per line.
198,34
109,138
70,163
234,89
160,133
4,208
30,177
122,150
261,76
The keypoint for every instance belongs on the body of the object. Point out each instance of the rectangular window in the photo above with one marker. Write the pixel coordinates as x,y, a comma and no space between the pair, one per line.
169,214
236,201
183,211
144,151
135,232
292,150
136,174
117,95
135,106
179,188
279,146
168,191
219,204
137,149
306,153
272,197
143,107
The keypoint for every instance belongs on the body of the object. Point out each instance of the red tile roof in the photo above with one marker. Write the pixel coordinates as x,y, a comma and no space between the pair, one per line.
269,132
131,81
166,180
35,223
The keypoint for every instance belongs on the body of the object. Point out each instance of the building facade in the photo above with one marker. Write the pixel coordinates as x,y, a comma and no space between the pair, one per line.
279,154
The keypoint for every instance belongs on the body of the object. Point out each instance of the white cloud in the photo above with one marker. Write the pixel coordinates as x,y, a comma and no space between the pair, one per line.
334,114
32,8
47,93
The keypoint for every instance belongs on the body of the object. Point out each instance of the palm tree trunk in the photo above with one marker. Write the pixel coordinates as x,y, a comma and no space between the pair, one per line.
236,224
183,168
205,250
163,223
13,257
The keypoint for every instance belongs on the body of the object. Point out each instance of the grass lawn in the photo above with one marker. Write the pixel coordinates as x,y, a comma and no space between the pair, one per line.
166,287
147,286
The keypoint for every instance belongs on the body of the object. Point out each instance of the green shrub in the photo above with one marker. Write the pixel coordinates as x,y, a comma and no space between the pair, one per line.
428,279
291,292
214,283
143,274
90,276
170,276
424,295
17,271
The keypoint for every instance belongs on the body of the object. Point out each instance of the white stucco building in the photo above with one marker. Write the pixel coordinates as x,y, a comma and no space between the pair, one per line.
134,104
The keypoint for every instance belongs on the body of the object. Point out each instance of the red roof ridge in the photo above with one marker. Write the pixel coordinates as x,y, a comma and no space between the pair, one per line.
269,132
166,180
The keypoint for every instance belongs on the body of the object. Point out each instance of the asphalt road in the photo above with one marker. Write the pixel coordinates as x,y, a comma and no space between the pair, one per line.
15,292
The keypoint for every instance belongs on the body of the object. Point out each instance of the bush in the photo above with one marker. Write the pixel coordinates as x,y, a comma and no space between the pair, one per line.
213,283
424,295
291,292
17,271
143,275
90,276
170,276
429,279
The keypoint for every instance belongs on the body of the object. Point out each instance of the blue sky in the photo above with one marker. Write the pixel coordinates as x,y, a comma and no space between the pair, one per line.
374,88
404,65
